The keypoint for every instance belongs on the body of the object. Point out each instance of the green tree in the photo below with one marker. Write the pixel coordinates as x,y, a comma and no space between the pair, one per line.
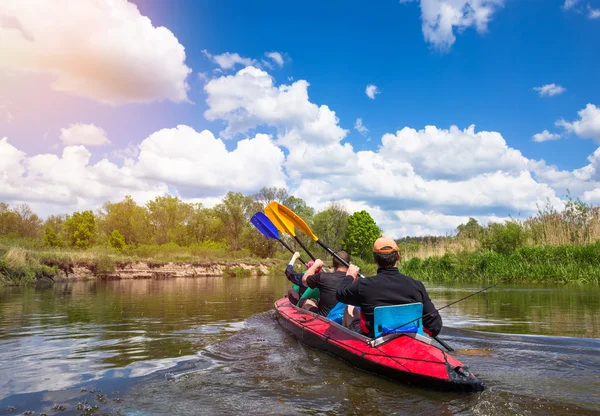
80,229
330,225
53,231
504,238
301,208
362,233
470,229
267,195
235,211
169,217
117,241
130,219
204,224
8,220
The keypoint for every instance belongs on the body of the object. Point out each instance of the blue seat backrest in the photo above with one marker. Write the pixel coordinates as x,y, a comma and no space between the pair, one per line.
336,314
388,318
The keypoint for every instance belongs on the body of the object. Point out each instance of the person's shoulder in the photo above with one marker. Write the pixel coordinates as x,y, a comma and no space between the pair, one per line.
413,280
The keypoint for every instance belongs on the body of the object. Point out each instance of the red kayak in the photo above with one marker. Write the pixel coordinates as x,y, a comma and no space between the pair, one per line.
407,357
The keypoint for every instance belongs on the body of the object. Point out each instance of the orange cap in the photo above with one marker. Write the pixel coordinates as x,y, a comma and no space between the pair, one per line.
385,245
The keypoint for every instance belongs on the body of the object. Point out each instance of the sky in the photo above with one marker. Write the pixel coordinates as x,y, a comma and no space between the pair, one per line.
422,112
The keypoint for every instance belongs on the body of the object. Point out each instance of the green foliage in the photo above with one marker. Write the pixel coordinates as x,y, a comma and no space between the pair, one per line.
536,264
236,272
80,229
51,238
504,238
235,212
470,229
362,233
117,241
330,225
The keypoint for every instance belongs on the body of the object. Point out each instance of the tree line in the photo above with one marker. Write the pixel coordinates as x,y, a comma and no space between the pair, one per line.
170,220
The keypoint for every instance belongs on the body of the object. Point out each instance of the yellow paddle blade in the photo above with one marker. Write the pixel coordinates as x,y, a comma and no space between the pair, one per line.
290,216
282,224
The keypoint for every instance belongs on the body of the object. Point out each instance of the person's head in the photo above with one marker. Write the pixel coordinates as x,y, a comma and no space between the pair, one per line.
386,252
338,264
310,263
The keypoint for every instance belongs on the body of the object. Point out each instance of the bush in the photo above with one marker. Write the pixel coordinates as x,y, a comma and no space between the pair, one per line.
117,241
236,272
504,238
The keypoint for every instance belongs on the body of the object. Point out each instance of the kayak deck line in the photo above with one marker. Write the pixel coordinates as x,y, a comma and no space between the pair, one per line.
404,357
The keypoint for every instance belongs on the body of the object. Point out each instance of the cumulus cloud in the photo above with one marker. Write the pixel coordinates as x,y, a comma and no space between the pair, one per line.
441,18
276,57
372,91
85,134
106,51
360,127
199,164
229,60
549,90
588,125
545,136
178,160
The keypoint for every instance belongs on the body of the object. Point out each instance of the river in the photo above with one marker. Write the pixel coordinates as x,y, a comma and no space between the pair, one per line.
189,346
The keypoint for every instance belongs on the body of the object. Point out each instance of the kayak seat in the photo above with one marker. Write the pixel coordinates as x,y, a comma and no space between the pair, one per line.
388,318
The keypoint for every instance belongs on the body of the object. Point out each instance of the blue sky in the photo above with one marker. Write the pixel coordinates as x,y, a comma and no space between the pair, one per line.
480,70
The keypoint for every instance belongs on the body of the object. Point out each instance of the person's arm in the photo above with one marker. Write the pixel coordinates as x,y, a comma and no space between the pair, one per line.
432,324
311,270
290,273
348,290
295,257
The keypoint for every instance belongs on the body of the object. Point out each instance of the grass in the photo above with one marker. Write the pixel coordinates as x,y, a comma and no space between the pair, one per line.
536,264
18,265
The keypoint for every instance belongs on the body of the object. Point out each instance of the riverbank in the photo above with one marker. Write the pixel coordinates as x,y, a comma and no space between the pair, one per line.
531,264
23,266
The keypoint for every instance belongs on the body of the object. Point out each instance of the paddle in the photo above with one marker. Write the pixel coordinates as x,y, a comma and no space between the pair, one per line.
273,211
287,216
268,229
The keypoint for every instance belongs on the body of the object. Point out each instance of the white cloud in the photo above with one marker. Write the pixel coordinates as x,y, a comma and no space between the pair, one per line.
106,51
360,127
179,160
569,4
311,133
593,13
442,17
229,60
372,91
85,134
550,90
452,153
588,125
200,164
276,57
545,136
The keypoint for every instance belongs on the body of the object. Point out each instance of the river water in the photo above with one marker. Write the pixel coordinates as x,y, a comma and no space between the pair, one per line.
190,346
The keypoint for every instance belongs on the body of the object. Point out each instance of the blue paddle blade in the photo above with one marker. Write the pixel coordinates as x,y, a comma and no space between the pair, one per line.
264,225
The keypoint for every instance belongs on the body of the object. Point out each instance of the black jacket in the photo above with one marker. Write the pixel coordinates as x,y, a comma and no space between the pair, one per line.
387,287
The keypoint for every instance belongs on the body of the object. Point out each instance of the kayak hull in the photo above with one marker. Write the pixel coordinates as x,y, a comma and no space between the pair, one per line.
406,358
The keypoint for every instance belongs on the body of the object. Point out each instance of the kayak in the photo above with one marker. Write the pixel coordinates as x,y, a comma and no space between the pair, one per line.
409,358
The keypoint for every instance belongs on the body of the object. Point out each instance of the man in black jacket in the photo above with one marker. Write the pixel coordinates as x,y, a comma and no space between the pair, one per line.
387,287
326,282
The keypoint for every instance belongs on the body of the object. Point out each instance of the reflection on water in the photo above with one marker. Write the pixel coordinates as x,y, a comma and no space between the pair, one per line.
206,345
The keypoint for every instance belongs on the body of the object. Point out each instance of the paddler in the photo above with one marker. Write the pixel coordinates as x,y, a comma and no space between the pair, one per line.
387,287
298,289
326,282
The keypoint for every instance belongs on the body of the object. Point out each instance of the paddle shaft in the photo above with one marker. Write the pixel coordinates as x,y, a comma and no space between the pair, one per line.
334,254
304,247
292,251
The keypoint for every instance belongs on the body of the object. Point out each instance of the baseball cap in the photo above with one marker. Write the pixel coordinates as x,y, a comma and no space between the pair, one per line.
385,245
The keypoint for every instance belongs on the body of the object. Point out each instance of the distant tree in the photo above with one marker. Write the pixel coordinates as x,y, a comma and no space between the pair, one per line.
267,195
301,208
80,229
169,217
331,224
204,224
117,241
470,229
28,223
504,238
8,220
362,233
130,219
235,211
